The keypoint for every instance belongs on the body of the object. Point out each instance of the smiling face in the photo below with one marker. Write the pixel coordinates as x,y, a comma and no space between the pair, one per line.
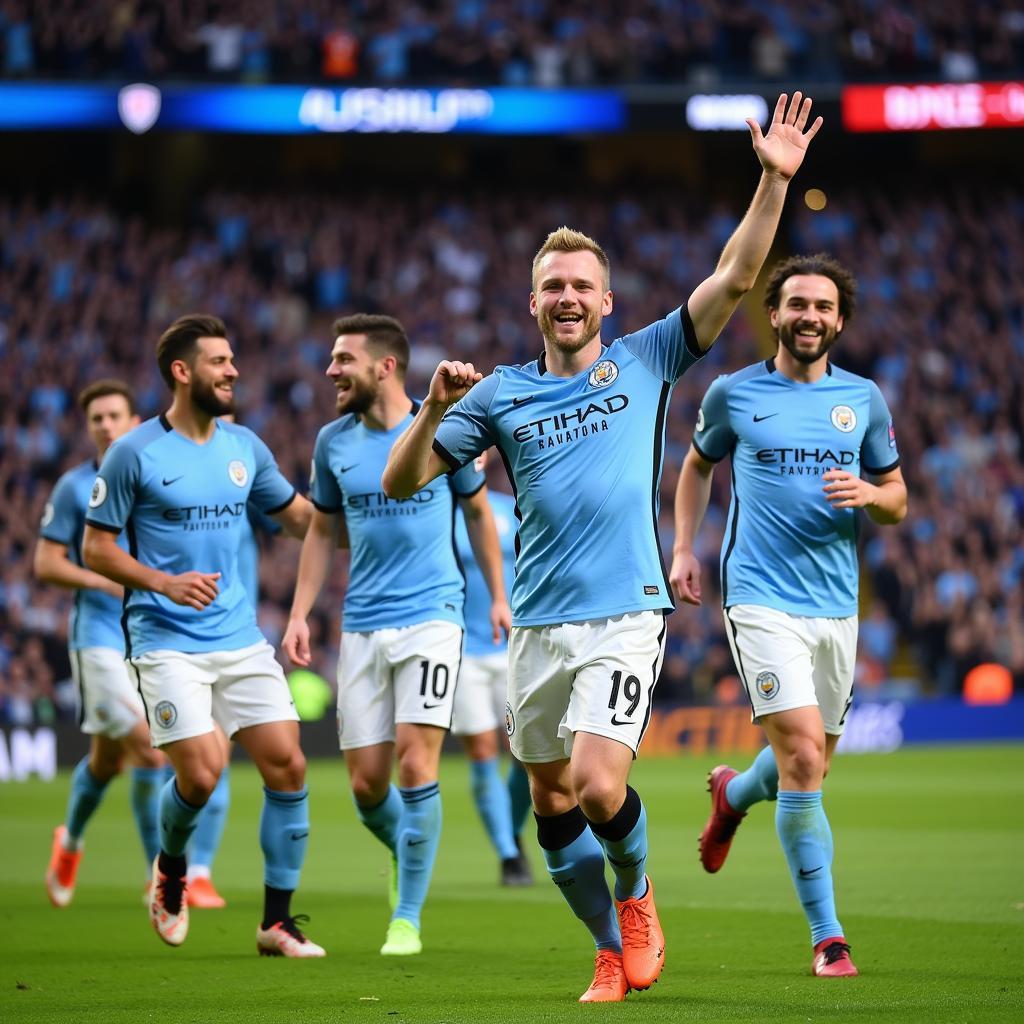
807,320
212,376
354,373
569,299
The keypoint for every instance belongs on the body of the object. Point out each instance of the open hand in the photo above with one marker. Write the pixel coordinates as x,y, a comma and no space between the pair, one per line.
782,150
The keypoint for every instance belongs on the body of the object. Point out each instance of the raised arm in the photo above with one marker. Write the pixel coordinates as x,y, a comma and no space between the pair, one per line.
781,153
692,493
413,463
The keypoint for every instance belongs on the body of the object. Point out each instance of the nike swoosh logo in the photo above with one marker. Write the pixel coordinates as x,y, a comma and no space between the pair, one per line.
345,469
416,842
625,721
167,483
299,835
809,874
523,401
430,706
757,419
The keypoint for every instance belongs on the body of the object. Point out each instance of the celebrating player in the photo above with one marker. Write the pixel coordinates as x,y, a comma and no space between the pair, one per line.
480,700
581,429
402,639
800,432
178,486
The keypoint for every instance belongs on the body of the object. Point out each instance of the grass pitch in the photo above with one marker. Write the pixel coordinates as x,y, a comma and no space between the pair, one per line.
930,886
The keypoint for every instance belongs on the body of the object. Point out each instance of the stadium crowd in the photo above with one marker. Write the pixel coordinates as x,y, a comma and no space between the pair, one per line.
86,290
512,42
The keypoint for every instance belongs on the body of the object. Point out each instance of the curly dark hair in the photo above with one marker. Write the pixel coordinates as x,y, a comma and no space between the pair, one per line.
819,263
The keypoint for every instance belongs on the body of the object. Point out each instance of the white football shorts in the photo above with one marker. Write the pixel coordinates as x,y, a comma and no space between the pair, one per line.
111,705
388,676
185,693
596,677
481,694
794,661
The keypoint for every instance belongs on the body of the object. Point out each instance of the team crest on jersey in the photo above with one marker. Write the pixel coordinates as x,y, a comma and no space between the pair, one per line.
238,472
99,493
166,714
700,419
843,418
510,719
603,374
767,684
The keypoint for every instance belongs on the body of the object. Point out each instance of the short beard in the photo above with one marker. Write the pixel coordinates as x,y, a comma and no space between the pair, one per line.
787,337
208,401
591,328
356,401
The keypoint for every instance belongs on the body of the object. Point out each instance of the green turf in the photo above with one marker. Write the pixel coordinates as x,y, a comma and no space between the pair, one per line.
930,852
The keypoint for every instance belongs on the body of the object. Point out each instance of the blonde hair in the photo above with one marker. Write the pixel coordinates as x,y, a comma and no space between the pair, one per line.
569,240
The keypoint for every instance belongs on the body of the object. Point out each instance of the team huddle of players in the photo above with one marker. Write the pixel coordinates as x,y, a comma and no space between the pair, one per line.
153,537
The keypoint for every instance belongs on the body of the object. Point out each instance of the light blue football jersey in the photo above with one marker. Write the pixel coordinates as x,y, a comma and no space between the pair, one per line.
95,617
584,455
183,508
479,639
785,546
404,568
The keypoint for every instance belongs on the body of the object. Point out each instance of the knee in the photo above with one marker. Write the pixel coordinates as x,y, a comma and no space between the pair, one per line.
551,796
803,763
600,796
368,791
105,764
416,767
482,747
197,782
288,772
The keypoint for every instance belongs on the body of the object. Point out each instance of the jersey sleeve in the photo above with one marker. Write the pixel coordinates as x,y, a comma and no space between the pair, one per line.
115,489
878,453
468,480
261,522
61,518
324,491
466,429
668,348
713,437
271,492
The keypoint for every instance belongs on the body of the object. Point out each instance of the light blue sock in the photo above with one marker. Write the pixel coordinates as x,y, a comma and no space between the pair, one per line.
624,840
759,782
177,820
146,786
577,868
86,793
209,829
284,835
494,806
807,842
519,793
419,832
382,819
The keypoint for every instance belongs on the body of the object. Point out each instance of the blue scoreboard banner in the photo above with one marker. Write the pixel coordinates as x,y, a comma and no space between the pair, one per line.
294,110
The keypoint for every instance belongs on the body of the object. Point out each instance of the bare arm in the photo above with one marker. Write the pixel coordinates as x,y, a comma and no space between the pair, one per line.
52,565
885,501
483,537
314,566
781,153
295,516
413,463
692,493
101,553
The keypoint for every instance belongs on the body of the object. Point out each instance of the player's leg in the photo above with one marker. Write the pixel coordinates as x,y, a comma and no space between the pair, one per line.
254,706
617,662
202,894
474,721
366,737
147,782
539,688
424,661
